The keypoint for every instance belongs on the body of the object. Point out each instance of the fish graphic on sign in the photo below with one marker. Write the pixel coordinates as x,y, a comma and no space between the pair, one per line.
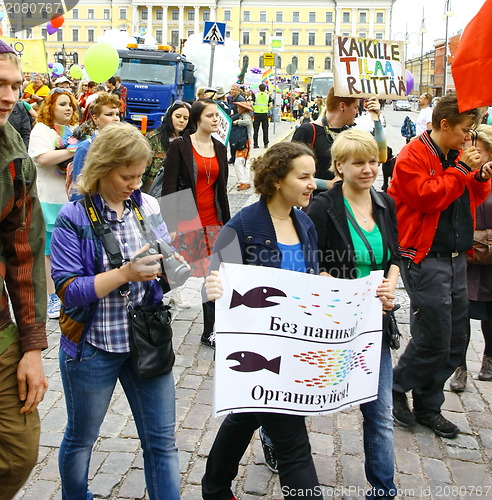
335,365
256,297
253,362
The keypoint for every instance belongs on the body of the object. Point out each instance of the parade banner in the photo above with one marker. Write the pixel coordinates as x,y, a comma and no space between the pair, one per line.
224,127
364,67
295,343
32,53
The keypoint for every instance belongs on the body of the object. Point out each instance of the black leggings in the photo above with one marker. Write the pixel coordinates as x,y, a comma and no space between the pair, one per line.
487,336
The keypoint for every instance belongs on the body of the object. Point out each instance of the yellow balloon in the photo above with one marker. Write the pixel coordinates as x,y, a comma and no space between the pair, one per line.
75,71
101,61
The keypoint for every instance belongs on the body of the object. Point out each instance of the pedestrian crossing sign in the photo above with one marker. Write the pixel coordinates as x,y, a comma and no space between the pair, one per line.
214,32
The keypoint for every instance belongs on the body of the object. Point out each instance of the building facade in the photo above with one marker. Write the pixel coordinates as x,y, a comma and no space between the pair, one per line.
308,31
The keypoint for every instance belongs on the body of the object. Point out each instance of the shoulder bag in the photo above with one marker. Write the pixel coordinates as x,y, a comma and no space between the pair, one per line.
151,349
482,248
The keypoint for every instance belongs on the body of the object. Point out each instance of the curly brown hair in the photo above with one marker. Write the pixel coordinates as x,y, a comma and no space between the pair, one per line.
104,99
46,112
275,165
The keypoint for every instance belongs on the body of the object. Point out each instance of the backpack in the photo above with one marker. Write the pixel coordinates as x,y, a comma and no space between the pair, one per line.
408,129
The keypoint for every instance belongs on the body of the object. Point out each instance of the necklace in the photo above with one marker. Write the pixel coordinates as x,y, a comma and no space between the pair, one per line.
364,217
279,218
208,171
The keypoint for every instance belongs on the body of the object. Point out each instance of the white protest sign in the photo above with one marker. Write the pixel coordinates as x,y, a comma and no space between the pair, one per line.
364,67
223,128
295,343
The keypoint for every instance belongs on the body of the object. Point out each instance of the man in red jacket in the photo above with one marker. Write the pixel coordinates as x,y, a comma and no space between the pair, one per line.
436,188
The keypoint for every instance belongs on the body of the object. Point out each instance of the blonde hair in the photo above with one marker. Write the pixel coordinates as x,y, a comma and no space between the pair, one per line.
352,143
484,134
8,56
116,145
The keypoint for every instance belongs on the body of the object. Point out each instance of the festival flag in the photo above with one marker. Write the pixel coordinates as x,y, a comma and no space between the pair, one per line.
472,64
32,53
266,75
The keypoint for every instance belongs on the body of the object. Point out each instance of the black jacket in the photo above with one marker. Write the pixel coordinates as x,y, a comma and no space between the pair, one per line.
336,249
21,121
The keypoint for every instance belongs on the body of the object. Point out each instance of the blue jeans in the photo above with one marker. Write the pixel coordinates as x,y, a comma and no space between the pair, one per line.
89,384
378,434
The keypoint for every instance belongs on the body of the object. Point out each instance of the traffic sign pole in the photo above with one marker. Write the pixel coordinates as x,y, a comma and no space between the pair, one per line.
212,56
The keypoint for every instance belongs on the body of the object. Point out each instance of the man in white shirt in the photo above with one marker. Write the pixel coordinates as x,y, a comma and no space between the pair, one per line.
424,121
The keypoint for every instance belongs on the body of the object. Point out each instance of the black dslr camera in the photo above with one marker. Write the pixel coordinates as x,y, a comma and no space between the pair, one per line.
177,273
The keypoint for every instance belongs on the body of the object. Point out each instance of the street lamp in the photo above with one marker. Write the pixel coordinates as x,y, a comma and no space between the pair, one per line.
447,14
406,41
63,57
422,31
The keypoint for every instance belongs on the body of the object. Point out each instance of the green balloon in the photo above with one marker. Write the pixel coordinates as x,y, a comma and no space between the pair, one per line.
101,61
75,72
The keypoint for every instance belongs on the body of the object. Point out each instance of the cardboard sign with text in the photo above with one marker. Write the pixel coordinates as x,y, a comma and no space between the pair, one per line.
295,343
365,67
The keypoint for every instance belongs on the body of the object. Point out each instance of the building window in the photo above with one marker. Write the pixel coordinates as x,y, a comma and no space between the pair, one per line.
379,17
432,63
363,17
158,14
29,14
90,35
295,61
12,31
279,33
295,38
310,63
328,38
432,78
262,38
228,34
175,14
246,15
206,15
311,38
145,14
345,33
90,14
262,16
312,17
106,14
44,15
362,34
75,35
44,33
75,13
175,38
279,16
245,38
122,13
346,17
295,17
191,14
191,32
227,15
278,61
59,36
245,60
327,63
329,17
158,36
379,36
29,33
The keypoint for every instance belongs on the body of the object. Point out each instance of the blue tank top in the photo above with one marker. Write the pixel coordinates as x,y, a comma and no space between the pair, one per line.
292,257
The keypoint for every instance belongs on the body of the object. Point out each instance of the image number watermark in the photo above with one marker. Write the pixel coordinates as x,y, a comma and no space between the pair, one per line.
29,14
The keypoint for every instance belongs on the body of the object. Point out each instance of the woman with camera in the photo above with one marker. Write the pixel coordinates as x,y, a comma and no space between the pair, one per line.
95,344
52,147
196,165
263,232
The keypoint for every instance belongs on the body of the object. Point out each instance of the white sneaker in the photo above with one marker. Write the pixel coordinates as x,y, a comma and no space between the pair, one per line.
179,300
53,307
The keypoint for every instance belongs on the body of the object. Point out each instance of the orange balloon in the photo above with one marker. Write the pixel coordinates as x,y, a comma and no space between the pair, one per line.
1,31
57,21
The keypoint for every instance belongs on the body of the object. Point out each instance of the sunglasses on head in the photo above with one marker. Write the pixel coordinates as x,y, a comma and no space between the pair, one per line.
60,90
181,103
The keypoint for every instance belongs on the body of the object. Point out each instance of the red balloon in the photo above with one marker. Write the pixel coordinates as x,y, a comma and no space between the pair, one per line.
1,31
57,21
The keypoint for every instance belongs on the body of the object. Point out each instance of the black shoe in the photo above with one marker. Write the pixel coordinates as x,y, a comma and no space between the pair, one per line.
441,426
231,161
401,412
266,145
207,340
256,146
268,452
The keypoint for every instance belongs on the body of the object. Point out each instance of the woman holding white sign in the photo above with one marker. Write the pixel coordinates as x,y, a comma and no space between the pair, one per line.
357,234
269,229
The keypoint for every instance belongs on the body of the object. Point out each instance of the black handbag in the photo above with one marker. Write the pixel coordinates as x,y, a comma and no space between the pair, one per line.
391,333
238,137
151,347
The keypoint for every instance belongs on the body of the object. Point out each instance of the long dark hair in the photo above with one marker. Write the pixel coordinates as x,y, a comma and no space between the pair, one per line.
165,131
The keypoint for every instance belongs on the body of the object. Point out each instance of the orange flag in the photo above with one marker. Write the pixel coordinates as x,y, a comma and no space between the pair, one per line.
472,64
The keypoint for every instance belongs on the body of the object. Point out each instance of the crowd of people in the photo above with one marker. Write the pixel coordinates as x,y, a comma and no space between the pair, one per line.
317,210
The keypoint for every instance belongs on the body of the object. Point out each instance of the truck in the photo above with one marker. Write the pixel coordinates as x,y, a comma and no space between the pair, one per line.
320,84
155,77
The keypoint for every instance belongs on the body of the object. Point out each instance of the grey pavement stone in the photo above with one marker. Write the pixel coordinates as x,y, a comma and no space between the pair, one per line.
133,485
257,478
409,463
436,470
102,485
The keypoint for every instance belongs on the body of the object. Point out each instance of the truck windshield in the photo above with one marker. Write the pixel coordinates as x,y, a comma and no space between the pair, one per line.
321,85
147,70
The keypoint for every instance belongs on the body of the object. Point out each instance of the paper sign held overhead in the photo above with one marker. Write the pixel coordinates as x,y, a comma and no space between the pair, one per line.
214,32
366,67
